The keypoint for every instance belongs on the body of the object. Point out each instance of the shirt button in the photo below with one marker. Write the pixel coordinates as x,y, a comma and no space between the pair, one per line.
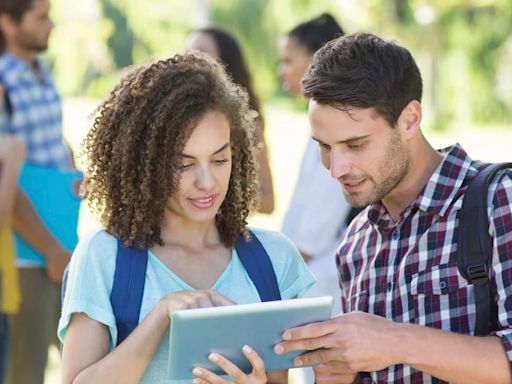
389,286
442,284
395,235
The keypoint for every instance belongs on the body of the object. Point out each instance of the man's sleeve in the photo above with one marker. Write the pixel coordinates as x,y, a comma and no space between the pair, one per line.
500,228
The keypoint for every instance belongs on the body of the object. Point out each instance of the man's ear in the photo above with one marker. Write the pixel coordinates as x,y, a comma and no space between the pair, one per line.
409,121
7,25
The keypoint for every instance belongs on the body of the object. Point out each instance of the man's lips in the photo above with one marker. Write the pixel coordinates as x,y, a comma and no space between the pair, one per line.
352,185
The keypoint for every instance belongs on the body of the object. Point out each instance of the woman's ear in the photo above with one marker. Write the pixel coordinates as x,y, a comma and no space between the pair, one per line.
409,121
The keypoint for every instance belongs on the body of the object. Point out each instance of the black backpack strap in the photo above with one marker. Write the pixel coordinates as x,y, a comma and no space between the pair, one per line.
7,104
128,288
257,263
474,246
354,211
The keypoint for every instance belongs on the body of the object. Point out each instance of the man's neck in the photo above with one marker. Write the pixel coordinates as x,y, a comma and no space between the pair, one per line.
421,168
28,56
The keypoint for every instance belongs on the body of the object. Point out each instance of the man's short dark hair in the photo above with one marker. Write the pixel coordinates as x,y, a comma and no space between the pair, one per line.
15,9
364,71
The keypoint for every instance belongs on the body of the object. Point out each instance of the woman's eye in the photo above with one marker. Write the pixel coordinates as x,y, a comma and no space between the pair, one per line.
219,162
184,167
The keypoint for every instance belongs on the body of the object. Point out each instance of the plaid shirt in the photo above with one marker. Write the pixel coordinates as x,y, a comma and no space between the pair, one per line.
35,113
407,271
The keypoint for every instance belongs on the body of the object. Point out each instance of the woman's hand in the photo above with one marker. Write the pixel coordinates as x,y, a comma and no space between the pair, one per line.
191,299
258,374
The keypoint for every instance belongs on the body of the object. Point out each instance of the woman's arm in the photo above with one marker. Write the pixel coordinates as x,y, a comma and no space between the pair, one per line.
86,357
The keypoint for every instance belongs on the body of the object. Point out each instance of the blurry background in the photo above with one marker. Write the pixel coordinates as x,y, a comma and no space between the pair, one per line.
463,48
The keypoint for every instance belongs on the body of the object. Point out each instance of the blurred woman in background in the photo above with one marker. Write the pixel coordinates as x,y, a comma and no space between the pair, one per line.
318,212
221,45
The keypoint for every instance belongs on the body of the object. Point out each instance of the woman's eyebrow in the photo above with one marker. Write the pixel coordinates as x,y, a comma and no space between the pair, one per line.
214,153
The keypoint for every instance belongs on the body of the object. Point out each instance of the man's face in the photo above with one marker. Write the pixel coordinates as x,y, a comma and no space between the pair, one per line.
359,148
33,30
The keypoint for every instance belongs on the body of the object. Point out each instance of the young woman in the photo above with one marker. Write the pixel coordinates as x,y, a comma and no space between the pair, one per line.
221,45
171,168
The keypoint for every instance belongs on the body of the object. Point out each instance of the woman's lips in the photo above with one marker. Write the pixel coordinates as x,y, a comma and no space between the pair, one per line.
203,202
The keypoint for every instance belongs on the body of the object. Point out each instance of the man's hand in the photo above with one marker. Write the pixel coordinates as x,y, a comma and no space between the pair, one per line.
334,373
346,344
56,263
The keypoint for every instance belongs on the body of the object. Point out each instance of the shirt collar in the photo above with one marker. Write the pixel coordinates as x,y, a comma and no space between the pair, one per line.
439,192
21,69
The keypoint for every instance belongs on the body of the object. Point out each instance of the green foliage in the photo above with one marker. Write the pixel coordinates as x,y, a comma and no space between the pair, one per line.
463,47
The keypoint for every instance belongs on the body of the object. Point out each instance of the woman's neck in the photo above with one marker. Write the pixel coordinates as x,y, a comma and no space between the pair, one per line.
189,234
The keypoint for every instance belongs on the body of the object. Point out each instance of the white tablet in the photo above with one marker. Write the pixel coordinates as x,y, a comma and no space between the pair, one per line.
195,333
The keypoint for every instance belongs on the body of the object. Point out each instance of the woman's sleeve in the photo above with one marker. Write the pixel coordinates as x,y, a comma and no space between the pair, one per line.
89,283
293,275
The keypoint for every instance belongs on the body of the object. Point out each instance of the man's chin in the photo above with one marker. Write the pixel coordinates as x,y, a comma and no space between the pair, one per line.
357,200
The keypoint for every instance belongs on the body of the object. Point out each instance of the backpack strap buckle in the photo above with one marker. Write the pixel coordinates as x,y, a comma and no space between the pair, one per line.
478,274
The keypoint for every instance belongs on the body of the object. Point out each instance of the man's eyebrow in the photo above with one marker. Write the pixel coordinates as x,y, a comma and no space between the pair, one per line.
347,141
184,155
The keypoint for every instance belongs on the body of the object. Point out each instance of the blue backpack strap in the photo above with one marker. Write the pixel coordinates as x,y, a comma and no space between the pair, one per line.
257,263
128,288
474,247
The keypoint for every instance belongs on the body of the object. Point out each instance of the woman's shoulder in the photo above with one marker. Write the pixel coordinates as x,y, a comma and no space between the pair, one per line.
291,271
273,239
97,237
94,243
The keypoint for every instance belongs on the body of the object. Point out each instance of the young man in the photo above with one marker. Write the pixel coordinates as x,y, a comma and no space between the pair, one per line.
32,113
409,313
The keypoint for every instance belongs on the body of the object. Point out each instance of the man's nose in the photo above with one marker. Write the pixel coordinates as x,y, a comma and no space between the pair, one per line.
339,164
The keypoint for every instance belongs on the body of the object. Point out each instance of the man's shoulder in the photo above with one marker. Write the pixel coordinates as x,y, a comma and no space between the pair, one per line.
503,174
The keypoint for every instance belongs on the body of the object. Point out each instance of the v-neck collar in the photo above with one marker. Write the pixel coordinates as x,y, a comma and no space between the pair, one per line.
186,285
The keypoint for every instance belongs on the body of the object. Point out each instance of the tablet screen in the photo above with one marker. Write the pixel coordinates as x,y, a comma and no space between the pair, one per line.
195,333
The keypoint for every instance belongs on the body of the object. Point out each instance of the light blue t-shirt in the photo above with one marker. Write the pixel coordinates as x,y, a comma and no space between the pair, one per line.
91,275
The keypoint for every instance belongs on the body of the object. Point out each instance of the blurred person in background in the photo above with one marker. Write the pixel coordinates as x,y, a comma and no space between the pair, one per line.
221,45
11,159
318,213
32,113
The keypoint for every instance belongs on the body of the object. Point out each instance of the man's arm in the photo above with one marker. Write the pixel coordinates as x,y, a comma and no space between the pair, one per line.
360,342
28,224
12,153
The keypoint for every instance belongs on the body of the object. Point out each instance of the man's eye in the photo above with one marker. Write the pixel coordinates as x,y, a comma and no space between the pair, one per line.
356,147
324,147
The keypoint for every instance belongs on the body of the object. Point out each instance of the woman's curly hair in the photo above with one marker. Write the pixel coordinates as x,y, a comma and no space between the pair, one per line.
133,149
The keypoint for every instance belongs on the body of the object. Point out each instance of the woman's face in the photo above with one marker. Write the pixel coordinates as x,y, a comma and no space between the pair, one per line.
294,59
205,170
203,42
